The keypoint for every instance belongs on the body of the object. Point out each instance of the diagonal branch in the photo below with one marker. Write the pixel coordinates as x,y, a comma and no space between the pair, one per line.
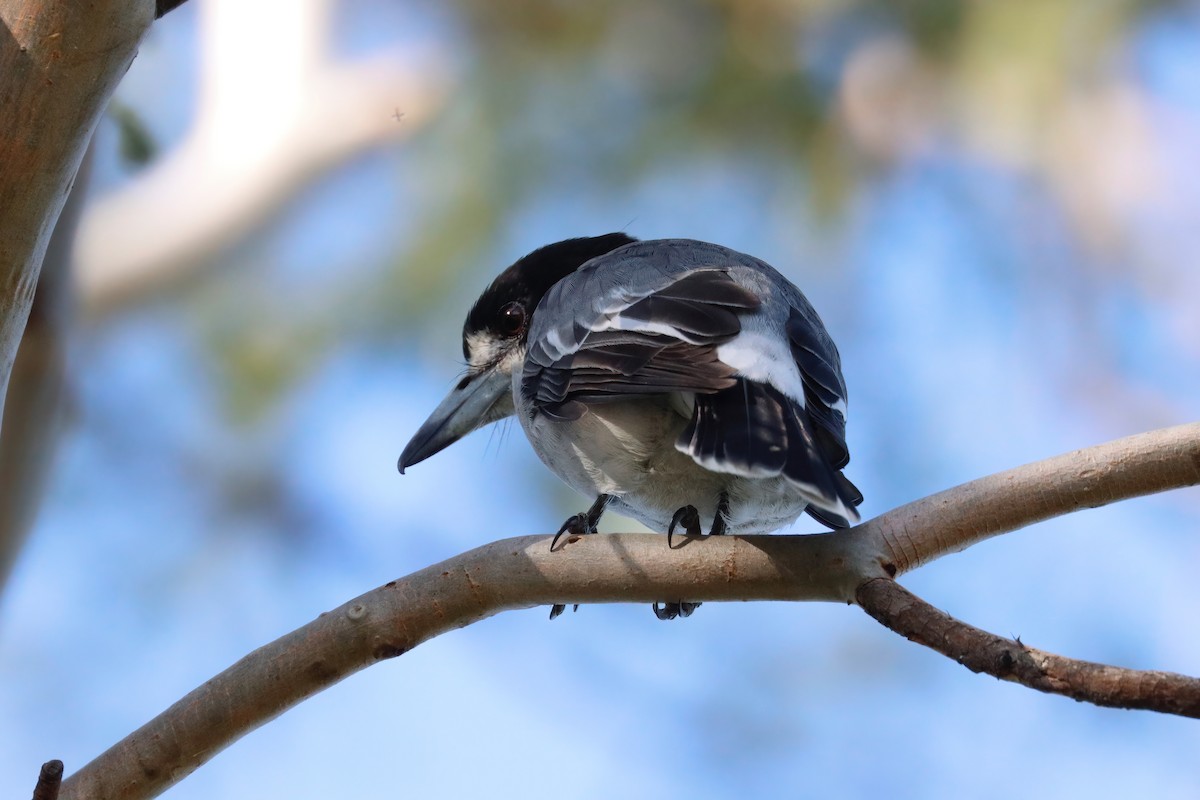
393,619
522,572
896,608
951,521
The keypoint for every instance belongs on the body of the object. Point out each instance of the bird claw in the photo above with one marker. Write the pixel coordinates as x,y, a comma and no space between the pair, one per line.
584,523
576,525
689,518
672,610
559,608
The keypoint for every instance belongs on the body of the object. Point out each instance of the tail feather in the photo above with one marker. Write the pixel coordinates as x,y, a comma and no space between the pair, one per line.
753,429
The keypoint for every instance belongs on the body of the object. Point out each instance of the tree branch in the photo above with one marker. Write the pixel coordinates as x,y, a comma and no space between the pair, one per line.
896,608
59,62
395,618
522,572
951,521
49,781
36,399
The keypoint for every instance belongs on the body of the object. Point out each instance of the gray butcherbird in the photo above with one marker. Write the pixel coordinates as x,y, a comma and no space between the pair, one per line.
672,380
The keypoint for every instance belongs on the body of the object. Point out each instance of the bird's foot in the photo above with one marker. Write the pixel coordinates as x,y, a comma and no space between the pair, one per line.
576,525
687,517
582,524
672,610
559,608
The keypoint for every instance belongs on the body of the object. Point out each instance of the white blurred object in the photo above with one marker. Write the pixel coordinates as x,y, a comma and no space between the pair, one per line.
888,99
275,110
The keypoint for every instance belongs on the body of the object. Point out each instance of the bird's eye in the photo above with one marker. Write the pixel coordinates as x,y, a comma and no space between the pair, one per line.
512,319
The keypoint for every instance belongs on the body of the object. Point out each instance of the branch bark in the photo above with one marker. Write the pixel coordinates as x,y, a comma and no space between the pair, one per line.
896,608
953,520
522,572
49,781
35,404
59,62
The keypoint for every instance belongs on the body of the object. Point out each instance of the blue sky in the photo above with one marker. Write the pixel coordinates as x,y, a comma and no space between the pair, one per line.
976,334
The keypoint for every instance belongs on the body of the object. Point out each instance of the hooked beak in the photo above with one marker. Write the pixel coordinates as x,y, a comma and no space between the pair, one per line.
476,401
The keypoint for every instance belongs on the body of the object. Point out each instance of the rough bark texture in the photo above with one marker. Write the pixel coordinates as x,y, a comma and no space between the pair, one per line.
59,63
979,651
518,573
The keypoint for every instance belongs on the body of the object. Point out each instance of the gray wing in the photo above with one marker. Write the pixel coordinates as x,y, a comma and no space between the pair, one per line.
632,323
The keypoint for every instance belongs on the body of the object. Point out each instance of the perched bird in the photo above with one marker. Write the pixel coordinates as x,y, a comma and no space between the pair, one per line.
673,380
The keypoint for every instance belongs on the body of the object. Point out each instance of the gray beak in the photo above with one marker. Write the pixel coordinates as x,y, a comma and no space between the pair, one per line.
480,399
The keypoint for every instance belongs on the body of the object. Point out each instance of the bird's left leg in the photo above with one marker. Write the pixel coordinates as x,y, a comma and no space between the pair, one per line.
690,519
580,524
687,517
584,522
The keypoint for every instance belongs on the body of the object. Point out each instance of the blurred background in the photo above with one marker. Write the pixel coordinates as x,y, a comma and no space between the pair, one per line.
292,204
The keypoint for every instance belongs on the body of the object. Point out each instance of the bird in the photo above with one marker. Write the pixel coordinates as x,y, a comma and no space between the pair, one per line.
674,381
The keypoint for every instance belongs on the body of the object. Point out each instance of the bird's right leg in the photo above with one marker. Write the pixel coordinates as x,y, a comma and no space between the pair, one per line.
580,524
689,518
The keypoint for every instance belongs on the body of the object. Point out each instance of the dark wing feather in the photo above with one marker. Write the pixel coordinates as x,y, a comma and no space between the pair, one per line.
702,307
850,495
824,397
740,429
752,428
824,389
663,342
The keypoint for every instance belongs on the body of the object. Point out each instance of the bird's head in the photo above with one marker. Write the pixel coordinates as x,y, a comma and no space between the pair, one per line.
494,340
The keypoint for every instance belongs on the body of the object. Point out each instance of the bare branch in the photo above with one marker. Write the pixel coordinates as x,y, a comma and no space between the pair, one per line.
896,608
522,572
49,781
953,520
59,62
393,619
36,400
